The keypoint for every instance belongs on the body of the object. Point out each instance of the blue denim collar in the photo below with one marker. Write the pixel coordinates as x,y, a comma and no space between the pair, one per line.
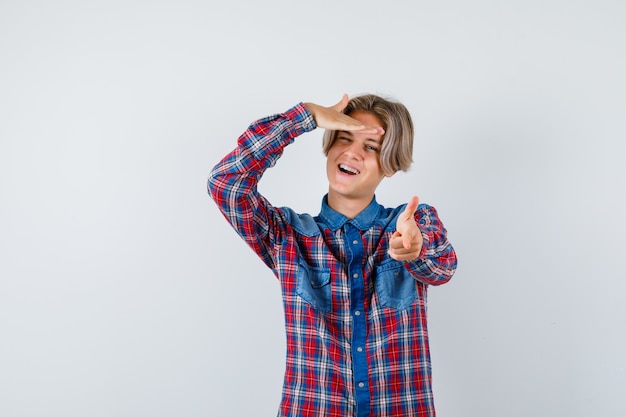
362,221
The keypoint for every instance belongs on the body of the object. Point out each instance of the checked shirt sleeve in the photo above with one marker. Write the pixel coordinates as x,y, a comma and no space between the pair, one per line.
437,260
233,181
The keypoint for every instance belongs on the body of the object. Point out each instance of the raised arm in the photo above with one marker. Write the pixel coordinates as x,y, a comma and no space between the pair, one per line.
233,181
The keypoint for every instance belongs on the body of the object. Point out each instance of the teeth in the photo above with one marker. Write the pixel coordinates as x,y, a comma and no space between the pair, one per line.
348,168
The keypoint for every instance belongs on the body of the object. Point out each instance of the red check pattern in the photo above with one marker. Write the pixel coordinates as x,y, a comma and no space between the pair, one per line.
355,319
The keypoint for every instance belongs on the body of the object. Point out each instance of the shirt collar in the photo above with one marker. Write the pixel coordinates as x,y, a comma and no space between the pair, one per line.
362,221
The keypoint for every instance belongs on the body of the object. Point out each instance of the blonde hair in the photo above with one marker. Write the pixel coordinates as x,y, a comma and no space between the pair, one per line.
396,152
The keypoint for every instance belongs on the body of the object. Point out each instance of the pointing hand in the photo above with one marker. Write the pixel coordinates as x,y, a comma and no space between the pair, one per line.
406,241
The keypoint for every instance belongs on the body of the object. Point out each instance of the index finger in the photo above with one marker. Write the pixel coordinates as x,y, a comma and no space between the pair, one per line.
411,207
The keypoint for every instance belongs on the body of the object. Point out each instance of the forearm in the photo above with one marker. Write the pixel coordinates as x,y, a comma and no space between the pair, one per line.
259,147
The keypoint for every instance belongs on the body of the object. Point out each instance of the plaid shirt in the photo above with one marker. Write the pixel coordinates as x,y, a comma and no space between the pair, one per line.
357,343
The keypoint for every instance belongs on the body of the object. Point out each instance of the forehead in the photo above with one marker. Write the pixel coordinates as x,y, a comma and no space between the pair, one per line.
367,118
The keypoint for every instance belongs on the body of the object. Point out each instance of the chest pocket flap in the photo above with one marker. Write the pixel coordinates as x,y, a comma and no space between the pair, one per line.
395,286
314,287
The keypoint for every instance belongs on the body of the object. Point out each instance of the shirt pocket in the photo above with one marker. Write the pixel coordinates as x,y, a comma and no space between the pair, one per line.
314,287
395,286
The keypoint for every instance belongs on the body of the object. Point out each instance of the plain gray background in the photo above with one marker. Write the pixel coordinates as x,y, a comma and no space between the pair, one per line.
123,292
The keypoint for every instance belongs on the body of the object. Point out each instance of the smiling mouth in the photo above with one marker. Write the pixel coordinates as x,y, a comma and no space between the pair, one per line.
346,169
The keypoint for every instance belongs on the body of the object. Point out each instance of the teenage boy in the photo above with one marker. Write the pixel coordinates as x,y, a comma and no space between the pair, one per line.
353,278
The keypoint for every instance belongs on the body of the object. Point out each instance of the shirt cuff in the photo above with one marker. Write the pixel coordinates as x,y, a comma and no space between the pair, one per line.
301,118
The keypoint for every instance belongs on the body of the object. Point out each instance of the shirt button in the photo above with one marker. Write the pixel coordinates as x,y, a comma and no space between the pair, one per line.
361,384
355,275
357,313
359,349
355,242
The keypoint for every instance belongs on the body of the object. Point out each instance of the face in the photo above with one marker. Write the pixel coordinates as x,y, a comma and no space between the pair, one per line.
353,163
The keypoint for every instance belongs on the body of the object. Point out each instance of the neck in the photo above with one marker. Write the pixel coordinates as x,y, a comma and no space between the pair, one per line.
349,207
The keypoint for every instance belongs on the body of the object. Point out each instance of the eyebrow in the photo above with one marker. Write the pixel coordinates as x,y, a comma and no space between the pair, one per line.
349,133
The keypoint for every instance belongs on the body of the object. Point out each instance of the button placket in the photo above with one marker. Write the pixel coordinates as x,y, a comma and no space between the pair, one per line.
359,318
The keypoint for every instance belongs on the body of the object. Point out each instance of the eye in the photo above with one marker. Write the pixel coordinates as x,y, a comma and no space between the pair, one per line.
371,148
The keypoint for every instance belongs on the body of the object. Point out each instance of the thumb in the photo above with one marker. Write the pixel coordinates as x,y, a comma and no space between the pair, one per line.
343,103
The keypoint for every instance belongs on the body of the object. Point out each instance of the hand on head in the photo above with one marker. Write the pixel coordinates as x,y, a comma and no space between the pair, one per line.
332,118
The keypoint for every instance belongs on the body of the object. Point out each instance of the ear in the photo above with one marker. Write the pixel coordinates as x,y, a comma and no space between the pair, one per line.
391,175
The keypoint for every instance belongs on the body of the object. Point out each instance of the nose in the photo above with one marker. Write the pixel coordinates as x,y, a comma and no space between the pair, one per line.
355,150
